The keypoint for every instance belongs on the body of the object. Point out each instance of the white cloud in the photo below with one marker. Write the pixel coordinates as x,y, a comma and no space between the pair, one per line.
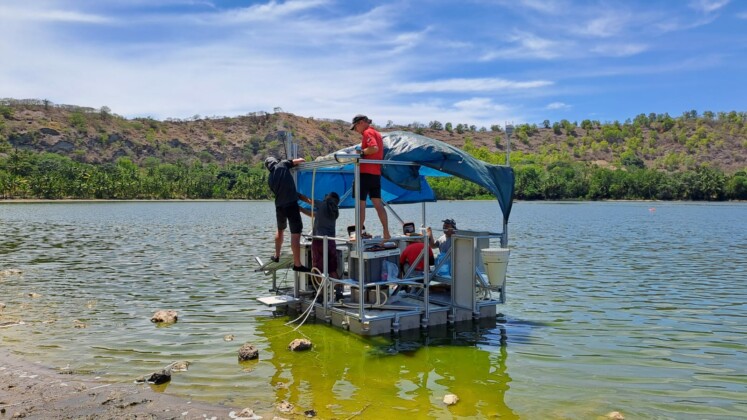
706,14
618,50
557,105
46,15
330,59
549,7
271,11
610,24
697,64
479,111
480,105
529,46
306,66
408,40
469,85
708,6
678,24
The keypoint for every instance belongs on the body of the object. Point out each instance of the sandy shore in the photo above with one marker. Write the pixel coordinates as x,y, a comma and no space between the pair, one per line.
33,391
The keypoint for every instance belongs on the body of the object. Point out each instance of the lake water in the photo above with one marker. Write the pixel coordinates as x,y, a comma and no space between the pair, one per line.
632,307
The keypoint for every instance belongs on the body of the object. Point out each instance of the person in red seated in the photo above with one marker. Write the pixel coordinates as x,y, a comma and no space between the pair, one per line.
410,254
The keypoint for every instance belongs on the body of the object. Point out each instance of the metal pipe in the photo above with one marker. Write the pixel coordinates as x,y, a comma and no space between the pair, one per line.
359,239
325,267
509,131
426,279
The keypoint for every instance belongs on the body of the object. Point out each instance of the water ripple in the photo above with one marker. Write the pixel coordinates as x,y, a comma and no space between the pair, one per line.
611,307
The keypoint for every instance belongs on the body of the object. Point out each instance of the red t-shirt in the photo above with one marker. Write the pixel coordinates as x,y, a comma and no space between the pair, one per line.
371,137
410,254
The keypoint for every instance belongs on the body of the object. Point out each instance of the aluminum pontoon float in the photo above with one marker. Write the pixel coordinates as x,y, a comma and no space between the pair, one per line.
466,284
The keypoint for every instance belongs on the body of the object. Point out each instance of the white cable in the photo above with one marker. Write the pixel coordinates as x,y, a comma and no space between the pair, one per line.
305,314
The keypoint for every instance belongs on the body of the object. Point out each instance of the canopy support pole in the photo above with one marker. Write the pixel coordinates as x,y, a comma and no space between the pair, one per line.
504,235
394,213
358,238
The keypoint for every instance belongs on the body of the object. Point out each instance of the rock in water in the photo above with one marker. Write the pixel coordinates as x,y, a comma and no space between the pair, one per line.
285,407
245,414
450,399
165,316
10,272
179,366
248,352
300,344
157,378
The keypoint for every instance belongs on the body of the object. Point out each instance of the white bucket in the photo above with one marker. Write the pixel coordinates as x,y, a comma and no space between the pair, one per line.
495,261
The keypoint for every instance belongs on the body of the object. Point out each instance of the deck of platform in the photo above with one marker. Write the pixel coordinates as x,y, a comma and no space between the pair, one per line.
407,313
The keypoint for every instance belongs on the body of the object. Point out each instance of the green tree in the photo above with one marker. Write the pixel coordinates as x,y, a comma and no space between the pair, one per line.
569,127
612,134
78,120
6,111
529,182
736,187
641,121
600,184
667,123
105,112
630,160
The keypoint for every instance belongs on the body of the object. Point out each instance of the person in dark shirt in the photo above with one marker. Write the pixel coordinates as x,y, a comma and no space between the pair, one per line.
324,223
286,207
325,216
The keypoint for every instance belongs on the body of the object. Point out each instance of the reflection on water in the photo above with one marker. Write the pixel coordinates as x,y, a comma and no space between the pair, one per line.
390,378
611,306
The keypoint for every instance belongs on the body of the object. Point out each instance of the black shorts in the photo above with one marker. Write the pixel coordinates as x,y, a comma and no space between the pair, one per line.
289,213
370,186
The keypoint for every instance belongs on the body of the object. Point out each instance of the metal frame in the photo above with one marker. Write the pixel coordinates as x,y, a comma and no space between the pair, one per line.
414,310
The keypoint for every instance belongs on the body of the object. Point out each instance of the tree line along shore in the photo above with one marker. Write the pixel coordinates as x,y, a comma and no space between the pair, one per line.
52,151
29,175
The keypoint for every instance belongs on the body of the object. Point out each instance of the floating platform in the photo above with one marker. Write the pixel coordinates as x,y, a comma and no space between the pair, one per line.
392,305
380,294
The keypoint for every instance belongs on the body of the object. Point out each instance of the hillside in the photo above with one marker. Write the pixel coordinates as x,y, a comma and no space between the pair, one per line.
655,141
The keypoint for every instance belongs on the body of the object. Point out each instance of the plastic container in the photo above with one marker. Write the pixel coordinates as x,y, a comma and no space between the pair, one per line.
495,261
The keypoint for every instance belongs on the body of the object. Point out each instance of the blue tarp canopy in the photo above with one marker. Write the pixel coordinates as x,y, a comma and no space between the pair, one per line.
407,184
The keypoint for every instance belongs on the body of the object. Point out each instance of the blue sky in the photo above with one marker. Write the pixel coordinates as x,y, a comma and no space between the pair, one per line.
479,62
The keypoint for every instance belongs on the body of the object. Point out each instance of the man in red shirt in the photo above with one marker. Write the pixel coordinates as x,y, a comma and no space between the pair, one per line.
411,253
372,147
